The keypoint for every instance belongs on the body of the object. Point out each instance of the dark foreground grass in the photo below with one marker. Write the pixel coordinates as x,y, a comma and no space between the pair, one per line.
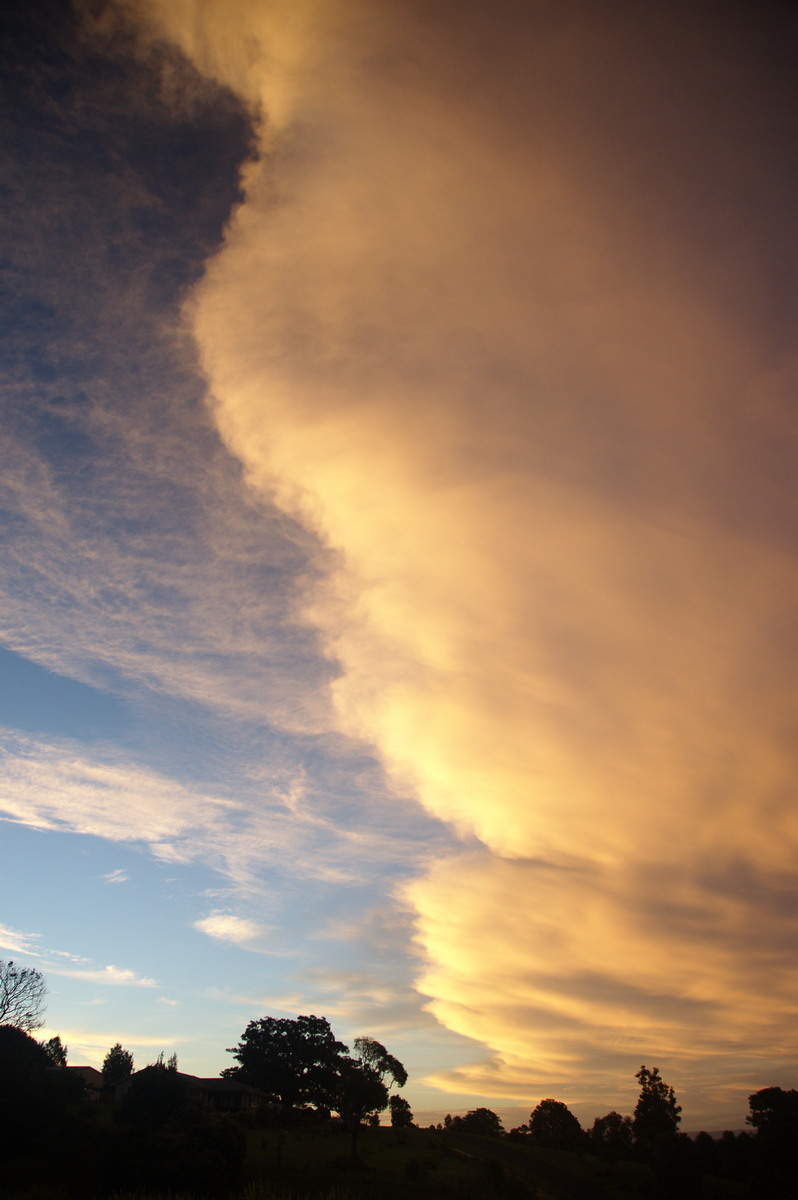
314,1164
393,1165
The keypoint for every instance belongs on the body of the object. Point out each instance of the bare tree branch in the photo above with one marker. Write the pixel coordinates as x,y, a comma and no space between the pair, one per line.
22,992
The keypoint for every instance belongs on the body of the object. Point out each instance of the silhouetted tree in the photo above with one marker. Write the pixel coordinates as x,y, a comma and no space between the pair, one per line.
358,1093
482,1121
117,1065
154,1097
612,1135
401,1113
774,1115
360,1090
163,1144
31,1098
373,1054
22,992
291,1061
56,1051
656,1111
553,1124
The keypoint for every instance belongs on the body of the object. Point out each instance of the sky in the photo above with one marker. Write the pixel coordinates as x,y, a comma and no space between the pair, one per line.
399,614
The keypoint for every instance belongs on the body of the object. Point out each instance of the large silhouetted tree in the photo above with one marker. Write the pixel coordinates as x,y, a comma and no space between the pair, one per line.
553,1124
774,1115
22,992
32,1094
656,1111
291,1061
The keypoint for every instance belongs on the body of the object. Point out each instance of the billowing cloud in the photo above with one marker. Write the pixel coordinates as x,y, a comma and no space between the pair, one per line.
490,326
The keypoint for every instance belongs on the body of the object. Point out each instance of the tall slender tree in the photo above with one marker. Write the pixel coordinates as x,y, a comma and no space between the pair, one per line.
117,1065
656,1112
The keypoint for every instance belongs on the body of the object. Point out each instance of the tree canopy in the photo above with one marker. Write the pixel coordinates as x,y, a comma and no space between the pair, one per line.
612,1133
292,1061
774,1112
553,1124
22,992
482,1121
373,1054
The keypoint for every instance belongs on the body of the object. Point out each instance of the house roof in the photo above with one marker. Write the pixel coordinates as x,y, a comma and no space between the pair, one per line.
90,1074
212,1084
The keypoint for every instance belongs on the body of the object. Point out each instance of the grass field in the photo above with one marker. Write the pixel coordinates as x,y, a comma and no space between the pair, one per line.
314,1164
426,1164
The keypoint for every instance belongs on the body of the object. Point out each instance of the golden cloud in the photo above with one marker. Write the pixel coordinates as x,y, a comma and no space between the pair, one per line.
428,341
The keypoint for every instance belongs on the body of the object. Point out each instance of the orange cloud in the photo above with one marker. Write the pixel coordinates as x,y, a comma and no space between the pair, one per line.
432,344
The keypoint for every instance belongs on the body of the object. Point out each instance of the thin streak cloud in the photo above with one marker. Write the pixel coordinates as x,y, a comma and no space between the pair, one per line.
110,975
16,942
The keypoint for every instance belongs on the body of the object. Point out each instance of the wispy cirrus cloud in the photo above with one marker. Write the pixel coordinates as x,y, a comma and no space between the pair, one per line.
63,785
118,876
17,942
110,975
60,786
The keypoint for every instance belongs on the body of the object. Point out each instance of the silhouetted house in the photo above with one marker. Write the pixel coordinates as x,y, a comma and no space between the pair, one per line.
216,1094
92,1080
224,1095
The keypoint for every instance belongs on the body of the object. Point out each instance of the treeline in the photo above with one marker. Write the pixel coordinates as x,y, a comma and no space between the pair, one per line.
152,1135
54,1141
762,1164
